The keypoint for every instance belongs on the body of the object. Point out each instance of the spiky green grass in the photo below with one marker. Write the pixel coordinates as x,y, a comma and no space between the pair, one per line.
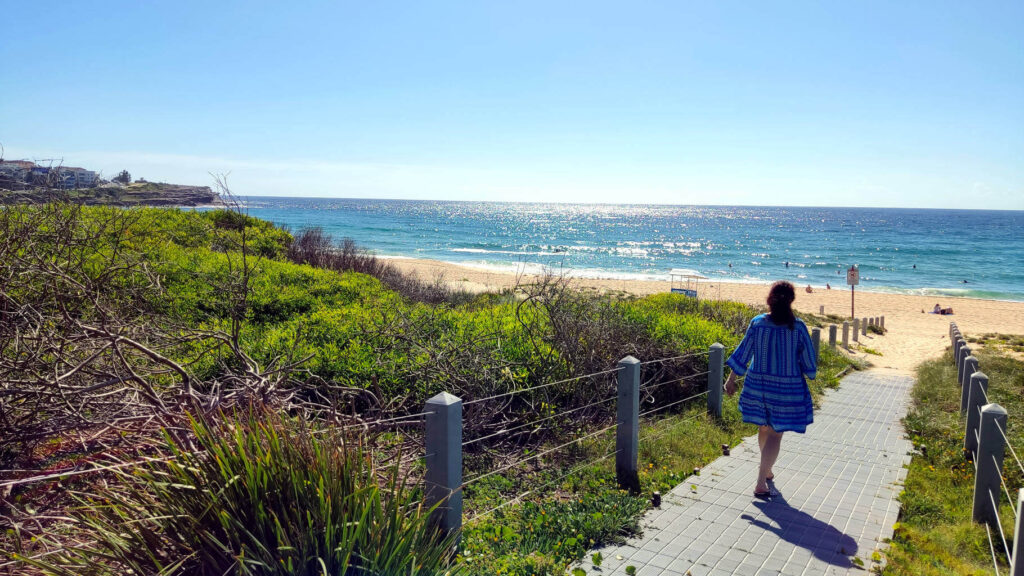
935,535
256,495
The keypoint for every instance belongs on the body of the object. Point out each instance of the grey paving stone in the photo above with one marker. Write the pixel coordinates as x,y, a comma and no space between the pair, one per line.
838,484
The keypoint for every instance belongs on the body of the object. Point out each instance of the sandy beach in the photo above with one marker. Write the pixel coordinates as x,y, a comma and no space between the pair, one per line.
913,334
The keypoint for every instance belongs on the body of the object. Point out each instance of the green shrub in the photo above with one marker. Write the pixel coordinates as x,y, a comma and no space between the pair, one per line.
261,497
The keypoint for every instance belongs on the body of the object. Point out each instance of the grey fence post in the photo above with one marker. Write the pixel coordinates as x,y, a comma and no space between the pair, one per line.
881,322
969,366
968,383
951,326
990,463
716,371
965,351
821,309
856,328
443,479
846,335
864,326
956,352
627,430
832,336
975,400
816,340
1016,562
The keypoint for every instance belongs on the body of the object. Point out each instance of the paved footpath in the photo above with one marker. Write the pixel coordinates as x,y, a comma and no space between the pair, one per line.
837,483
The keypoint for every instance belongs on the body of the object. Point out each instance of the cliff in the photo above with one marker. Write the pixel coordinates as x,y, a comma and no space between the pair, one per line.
136,194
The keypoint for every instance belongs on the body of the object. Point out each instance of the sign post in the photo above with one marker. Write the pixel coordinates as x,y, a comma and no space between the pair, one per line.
852,278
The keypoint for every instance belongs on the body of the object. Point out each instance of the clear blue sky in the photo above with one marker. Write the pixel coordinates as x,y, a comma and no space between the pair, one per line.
916,104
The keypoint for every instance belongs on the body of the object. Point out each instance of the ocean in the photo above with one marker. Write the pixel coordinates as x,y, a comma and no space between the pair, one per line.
928,252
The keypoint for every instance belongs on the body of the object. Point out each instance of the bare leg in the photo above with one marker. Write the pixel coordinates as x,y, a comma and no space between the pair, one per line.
770,445
763,433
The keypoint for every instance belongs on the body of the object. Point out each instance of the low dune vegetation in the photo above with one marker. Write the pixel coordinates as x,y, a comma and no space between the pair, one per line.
935,534
247,400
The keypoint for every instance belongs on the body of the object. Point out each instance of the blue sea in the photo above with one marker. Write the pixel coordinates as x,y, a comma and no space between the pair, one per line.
930,252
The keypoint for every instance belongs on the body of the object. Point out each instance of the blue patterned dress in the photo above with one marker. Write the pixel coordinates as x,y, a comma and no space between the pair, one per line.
774,390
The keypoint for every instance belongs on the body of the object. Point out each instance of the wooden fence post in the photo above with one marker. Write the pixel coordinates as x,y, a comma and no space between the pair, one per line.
856,328
970,366
627,430
990,464
716,371
832,336
976,391
816,341
846,335
967,388
965,351
443,478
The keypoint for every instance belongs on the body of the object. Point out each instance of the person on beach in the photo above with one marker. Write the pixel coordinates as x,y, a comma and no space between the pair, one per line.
775,356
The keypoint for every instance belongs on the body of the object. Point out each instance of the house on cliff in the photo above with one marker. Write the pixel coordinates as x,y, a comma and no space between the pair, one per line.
20,174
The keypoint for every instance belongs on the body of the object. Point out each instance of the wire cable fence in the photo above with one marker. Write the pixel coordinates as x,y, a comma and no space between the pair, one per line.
664,431
992,549
671,404
1010,446
986,442
445,445
648,387
675,358
519,498
443,422
533,423
572,442
541,454
47,477
538,387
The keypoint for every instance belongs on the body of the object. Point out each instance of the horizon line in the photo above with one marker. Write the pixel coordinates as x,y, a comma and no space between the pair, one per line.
569,203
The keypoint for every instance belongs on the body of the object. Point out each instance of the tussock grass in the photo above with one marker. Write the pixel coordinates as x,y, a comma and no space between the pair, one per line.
255,495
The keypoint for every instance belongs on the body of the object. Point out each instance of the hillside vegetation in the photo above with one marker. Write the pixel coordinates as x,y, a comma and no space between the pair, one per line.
172,337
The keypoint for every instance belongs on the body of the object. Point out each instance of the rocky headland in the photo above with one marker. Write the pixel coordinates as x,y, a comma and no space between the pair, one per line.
112,194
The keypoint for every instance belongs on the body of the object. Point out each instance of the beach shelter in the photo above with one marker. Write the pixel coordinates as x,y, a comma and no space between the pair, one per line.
685,281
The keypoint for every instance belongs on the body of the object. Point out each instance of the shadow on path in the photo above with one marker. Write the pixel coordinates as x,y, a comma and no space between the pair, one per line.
801,529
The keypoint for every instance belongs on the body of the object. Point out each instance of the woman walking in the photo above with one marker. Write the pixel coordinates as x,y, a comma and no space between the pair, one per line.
775,355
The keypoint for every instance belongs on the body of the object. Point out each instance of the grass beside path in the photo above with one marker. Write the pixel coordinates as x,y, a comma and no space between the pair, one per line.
557,525
935,535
